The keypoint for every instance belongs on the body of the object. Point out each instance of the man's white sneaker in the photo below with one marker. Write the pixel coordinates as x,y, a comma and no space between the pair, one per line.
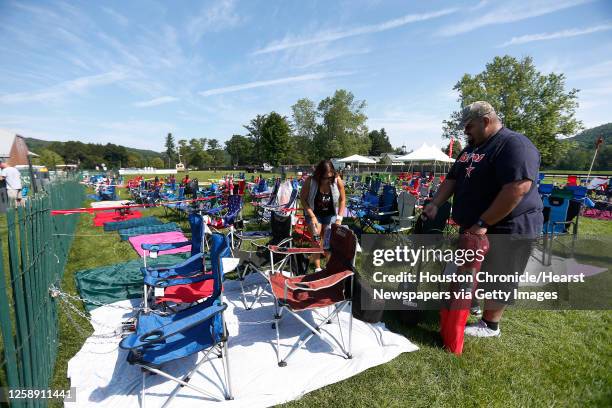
481,329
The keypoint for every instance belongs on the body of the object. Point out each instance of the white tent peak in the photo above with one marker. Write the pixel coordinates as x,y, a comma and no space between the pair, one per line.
427,153
356,158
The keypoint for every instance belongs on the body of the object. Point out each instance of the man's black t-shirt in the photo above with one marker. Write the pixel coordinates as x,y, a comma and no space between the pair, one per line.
480,172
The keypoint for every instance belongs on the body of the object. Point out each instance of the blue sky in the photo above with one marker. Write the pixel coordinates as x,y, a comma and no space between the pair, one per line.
130,72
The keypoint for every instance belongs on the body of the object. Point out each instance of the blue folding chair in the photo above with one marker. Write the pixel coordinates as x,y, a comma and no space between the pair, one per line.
160,339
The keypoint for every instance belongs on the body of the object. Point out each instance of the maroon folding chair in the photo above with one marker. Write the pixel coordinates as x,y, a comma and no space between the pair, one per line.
325,289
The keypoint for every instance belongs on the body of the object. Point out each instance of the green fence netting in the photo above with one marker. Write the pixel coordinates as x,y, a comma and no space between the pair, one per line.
34,248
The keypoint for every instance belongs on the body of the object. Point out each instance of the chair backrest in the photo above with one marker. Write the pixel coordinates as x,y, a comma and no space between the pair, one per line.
375,186
544,189
405,205
579,192
274,193
572,180
197,233
343,247
281,227
555,211
388,199
219,248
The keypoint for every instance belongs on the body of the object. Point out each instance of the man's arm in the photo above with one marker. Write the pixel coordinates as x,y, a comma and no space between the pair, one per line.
506,200
445,191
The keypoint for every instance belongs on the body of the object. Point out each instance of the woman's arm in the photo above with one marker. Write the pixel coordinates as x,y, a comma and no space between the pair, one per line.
304,199
341,202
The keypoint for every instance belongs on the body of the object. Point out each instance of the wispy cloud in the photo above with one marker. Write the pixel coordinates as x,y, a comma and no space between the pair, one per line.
572,32
118,17
60,90
602,69
219,17
508,12
327,36
272,82
156,101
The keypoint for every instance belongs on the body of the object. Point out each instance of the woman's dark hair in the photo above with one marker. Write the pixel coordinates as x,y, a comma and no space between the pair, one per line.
324,167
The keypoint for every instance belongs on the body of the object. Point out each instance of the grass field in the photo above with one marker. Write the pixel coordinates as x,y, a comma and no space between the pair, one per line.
543,358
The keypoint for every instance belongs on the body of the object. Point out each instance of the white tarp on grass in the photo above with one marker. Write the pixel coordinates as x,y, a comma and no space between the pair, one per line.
102,376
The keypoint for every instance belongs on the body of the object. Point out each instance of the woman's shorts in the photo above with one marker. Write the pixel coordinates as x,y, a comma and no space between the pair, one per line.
323,220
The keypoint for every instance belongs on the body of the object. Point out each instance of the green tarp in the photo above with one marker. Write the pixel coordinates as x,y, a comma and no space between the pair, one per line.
148,229
112,283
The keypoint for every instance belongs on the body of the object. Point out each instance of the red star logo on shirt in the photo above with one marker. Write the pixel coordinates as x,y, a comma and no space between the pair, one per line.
469,170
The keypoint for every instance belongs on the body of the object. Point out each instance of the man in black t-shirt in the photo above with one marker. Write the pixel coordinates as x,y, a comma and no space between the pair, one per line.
493,182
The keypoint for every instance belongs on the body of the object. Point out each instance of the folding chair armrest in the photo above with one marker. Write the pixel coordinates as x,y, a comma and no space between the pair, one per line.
291,251
320,284
164,246
163,332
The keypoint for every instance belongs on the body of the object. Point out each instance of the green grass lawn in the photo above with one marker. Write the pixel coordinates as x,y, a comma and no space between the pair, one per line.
543,358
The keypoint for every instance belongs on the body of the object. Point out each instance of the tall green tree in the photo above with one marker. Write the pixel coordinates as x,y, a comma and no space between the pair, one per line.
379,142
184,152
50,159
275,139
254,129
304,121
240,148
217,154
170,149
528,102
343,129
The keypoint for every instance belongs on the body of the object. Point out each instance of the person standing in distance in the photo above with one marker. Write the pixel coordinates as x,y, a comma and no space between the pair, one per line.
12,178
493,184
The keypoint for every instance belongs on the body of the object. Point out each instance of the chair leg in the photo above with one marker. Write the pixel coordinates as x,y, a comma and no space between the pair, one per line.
226,368
277,318
144,390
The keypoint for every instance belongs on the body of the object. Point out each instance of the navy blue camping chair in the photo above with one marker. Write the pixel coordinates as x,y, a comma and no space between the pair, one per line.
160,339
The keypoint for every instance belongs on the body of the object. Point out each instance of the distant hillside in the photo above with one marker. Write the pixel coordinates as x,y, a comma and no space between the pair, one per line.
38,144
587,138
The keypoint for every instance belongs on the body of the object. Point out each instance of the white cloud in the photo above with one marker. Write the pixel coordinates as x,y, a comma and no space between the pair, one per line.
63,89
118,17
156,101
271,82
327,36
602,69
572,32
219,17
508,12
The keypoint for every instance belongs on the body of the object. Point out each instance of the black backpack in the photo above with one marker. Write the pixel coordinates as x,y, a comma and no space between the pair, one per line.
365,307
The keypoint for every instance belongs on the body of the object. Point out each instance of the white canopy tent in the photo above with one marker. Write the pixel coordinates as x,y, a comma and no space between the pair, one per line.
357,159
428,155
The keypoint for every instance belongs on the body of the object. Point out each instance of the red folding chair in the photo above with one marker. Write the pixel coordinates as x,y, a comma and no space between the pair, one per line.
320,290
